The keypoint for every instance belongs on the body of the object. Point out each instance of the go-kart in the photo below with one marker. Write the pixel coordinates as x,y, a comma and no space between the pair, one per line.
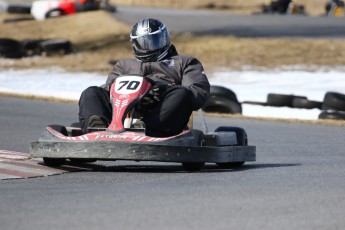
123,139
42,9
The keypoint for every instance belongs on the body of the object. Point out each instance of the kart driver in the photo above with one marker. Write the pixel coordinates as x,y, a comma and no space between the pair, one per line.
180,84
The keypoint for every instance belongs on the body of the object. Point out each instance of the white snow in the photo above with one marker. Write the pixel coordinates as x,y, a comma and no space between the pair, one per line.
248,85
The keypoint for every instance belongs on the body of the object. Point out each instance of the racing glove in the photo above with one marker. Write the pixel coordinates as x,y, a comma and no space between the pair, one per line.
155,94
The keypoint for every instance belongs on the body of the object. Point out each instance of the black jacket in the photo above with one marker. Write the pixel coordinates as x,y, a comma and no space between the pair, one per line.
173,70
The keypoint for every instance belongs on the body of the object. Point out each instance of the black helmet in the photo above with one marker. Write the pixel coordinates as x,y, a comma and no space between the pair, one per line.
150,40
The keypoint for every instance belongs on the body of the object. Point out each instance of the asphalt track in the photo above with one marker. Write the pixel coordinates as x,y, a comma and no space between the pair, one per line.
204,22
297,181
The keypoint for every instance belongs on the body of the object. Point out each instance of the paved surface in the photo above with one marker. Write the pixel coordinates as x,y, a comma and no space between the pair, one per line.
297,182
15,165
210,22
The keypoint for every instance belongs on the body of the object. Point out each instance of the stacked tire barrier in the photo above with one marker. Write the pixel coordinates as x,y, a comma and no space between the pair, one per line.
292,101
222,100
15,8
332,106
11,48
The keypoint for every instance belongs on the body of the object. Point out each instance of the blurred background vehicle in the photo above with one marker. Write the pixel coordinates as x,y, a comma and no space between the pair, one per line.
43,9
283,7
335,8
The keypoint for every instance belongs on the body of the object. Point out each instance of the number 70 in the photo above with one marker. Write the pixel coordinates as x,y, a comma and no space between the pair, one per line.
130,85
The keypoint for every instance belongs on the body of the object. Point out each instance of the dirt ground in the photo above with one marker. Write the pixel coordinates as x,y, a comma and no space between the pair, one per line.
97,38
312,7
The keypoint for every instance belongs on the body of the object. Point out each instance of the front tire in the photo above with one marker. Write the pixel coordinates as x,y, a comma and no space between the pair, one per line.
53,161
82,160
231,165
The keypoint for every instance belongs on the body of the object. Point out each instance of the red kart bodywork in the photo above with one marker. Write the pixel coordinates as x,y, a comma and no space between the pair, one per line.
68,7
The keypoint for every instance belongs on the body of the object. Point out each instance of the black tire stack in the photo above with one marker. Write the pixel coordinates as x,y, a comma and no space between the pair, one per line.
292,101
11,48
222,100
333,106
15,8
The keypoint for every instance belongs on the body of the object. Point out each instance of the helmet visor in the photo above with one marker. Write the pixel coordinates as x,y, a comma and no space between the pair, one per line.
148,43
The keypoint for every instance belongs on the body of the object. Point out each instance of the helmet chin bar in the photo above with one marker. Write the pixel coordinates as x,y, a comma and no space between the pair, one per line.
152,56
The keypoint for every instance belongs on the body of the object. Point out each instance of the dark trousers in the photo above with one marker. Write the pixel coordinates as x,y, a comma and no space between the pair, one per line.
166,118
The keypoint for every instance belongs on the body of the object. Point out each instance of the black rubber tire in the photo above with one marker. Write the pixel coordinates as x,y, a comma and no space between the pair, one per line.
305,103
231,165
20,8
334,101
54,13
193,167
254,103
220,91
82,160
56,46
10,48
216,104
242,140
54,161
32,47
280,100
332,115
241,134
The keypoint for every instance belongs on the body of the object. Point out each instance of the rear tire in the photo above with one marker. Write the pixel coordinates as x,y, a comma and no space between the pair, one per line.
193,167
50,161
231,165
82,160
241,135
242,140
